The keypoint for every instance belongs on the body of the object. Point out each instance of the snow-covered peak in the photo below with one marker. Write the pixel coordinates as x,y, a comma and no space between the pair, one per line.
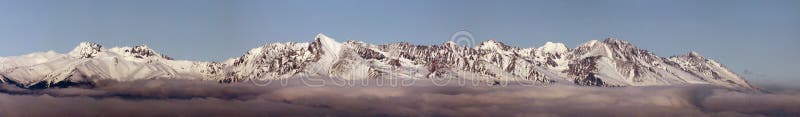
326,44
325,40
610,42
553,55
142,47
694,54
589,43
92,50
615,40
611,47
551,47
619,44
139,52
492,45
86,50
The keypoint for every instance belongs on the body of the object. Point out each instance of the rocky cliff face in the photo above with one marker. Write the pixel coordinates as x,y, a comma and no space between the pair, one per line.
610,62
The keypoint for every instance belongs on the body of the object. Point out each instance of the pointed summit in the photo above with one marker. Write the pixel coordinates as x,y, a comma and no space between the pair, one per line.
492,42
142,51
492,45
323,44
324,39
142,47
614,40
551,47
86,50
694,54
617,42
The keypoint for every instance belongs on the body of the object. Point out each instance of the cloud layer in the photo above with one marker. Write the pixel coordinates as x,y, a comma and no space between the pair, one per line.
200,98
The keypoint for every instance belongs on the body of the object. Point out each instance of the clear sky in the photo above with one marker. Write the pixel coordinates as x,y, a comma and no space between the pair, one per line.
757,36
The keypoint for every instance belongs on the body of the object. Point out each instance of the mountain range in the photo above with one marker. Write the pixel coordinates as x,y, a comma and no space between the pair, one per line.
607,63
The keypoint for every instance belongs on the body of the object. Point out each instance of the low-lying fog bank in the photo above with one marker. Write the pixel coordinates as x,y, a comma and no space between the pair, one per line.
381,98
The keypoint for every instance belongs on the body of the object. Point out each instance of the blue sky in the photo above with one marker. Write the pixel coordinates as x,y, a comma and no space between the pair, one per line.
761,37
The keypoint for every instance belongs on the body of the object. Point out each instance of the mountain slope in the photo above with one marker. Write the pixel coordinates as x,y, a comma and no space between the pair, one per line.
90,62
611,62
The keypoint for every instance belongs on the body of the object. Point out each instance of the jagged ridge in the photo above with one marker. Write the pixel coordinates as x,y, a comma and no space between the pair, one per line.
611,62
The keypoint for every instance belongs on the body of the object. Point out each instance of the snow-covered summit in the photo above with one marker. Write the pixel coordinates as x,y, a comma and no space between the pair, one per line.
551,47
589,43
138,52
492,45
326,43
86,50
612,40
694,54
